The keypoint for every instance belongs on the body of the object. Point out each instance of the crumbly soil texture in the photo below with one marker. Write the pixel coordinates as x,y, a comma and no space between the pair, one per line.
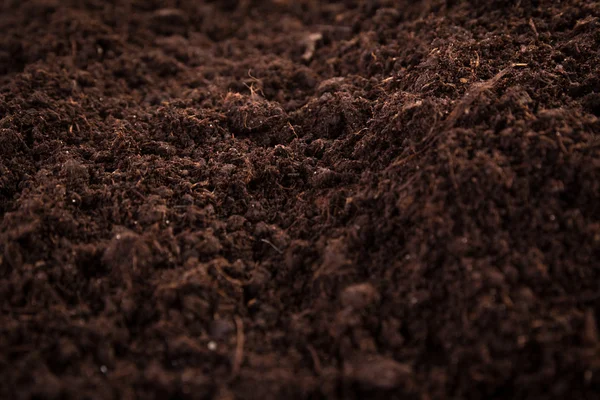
243,199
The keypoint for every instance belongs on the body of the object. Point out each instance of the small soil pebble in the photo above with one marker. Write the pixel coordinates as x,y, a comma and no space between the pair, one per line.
359,296
376,372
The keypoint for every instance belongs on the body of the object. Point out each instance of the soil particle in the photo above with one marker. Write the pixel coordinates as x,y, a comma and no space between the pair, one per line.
359,296
168,21
376,372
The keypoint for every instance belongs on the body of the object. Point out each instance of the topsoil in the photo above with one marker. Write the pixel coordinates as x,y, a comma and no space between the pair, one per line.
299,199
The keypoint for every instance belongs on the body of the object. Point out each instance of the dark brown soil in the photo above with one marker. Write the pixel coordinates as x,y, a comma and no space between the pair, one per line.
278,199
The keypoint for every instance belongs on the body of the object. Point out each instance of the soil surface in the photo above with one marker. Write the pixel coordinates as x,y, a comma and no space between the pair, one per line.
245,199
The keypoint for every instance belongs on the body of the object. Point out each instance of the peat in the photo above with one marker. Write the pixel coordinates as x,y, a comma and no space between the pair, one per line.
299,199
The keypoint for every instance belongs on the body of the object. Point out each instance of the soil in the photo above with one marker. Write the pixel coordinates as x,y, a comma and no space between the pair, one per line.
245,199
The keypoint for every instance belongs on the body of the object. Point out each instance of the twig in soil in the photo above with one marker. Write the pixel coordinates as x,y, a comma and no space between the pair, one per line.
277,249
451,168
311,45
250,87
293,130
229,279
535,31
315,359
239,348
426,143
472,94
255,79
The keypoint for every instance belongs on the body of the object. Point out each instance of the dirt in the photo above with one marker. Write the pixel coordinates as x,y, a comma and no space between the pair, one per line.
245,199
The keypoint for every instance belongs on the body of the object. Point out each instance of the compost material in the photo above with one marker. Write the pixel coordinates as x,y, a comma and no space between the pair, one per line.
276,199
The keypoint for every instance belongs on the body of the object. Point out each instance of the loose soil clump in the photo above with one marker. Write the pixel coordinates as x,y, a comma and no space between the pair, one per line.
299,199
